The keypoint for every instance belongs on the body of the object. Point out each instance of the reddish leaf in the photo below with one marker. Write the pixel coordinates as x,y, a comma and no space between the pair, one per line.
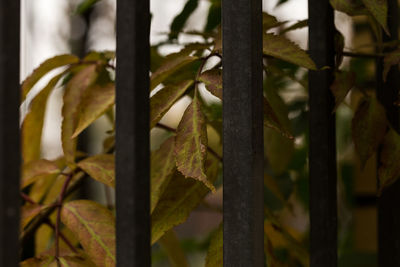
163,100
368,128
191,143
94,226
100,168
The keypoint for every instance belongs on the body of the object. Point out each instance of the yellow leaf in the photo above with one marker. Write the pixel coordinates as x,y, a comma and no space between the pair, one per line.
94,226
37,169
100,168
43,69
74,91
97,100
170,244
33,122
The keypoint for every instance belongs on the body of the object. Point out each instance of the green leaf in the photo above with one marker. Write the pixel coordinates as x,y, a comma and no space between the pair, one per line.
215,255
191,143
74,91
368,128
350,7
32,126
180,20
272,121
100,167
162,168
390,60
280,47
43,69
104,56
85,5
389,167
278,148
344,82
170,244
298,25
96,101
34,170
163,100
270,21
213,81
180,197
214,16
94,227
379,9
169,67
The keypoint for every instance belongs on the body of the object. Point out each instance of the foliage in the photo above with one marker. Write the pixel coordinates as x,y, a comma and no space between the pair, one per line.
186,167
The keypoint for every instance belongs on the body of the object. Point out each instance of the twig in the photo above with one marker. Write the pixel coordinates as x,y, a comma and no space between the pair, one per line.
362,55
63,237
58,220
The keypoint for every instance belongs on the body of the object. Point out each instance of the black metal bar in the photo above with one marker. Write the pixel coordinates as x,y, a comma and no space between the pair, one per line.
388,213
132,134
243,133
322,155
10,156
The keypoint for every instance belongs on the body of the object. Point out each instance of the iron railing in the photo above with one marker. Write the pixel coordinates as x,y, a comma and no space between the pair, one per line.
243,136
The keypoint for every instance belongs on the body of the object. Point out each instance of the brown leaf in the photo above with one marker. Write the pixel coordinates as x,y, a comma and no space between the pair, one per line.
34,170
28,212
43,69
280,47
96,101
368,127
162,168
33,122
163,100
74,91
191,143
94,226
344,82
213,81
389,168
100,168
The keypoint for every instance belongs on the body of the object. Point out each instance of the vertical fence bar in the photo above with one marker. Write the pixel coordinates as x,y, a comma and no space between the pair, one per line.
388,212
9,132
132,134
322,155
243,133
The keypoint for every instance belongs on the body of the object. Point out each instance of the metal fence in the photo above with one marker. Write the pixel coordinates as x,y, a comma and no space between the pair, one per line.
243,136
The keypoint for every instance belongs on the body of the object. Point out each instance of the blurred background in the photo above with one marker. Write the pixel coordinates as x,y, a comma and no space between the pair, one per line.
51,28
